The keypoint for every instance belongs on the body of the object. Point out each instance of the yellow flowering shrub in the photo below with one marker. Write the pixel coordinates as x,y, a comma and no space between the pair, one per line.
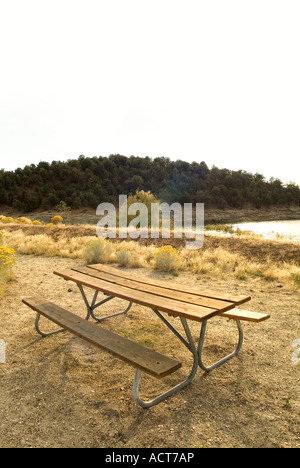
7,220
167,259
23,220
57,220
7,261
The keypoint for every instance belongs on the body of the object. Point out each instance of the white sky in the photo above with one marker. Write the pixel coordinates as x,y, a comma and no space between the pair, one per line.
214,80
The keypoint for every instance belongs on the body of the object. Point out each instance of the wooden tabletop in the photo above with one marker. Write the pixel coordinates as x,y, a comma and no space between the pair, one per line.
165,296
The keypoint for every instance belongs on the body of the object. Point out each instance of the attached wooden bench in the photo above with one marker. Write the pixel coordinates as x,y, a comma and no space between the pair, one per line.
246,315
132,353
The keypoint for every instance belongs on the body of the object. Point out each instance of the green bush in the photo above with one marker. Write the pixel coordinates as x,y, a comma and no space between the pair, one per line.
63,207
98,251
146,198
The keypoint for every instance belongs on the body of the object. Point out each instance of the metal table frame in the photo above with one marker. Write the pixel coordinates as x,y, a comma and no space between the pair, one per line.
197,358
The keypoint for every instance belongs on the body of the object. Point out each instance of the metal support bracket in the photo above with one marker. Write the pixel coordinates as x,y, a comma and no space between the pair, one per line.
91,307
37,327
225,359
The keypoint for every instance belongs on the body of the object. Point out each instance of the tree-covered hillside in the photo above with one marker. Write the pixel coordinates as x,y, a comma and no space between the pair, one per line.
87,182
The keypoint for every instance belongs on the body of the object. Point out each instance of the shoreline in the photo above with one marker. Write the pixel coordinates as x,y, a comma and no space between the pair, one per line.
233,216
252,247
212,216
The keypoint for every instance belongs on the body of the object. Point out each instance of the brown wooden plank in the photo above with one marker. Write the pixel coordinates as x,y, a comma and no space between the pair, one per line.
145,359
171,306
247,315
235,298
157,290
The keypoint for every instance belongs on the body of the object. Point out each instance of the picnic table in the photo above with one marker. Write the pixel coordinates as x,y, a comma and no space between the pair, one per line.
165,299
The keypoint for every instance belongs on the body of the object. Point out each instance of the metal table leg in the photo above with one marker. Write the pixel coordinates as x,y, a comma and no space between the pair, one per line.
163,396
197,355
225,359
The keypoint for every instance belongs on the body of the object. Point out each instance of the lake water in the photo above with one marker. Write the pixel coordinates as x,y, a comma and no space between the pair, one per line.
268,229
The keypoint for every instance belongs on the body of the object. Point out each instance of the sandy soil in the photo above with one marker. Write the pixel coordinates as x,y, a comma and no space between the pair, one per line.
60,392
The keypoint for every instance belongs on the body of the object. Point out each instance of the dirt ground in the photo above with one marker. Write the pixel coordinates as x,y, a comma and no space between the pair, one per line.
60,392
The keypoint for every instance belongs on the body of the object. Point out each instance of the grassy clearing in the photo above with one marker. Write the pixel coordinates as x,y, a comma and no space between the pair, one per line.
246,259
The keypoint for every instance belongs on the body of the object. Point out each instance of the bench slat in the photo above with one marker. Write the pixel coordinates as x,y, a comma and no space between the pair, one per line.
235,298
145,359
163,304
157,290
247,315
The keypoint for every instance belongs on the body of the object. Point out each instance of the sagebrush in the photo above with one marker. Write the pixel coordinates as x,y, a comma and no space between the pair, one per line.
98,251
7,261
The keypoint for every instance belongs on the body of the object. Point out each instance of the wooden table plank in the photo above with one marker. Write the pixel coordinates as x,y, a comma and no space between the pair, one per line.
157,290
237,299
171,306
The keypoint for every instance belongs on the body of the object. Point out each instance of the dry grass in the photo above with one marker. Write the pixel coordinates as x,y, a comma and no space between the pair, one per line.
220,263
245,259
43,244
